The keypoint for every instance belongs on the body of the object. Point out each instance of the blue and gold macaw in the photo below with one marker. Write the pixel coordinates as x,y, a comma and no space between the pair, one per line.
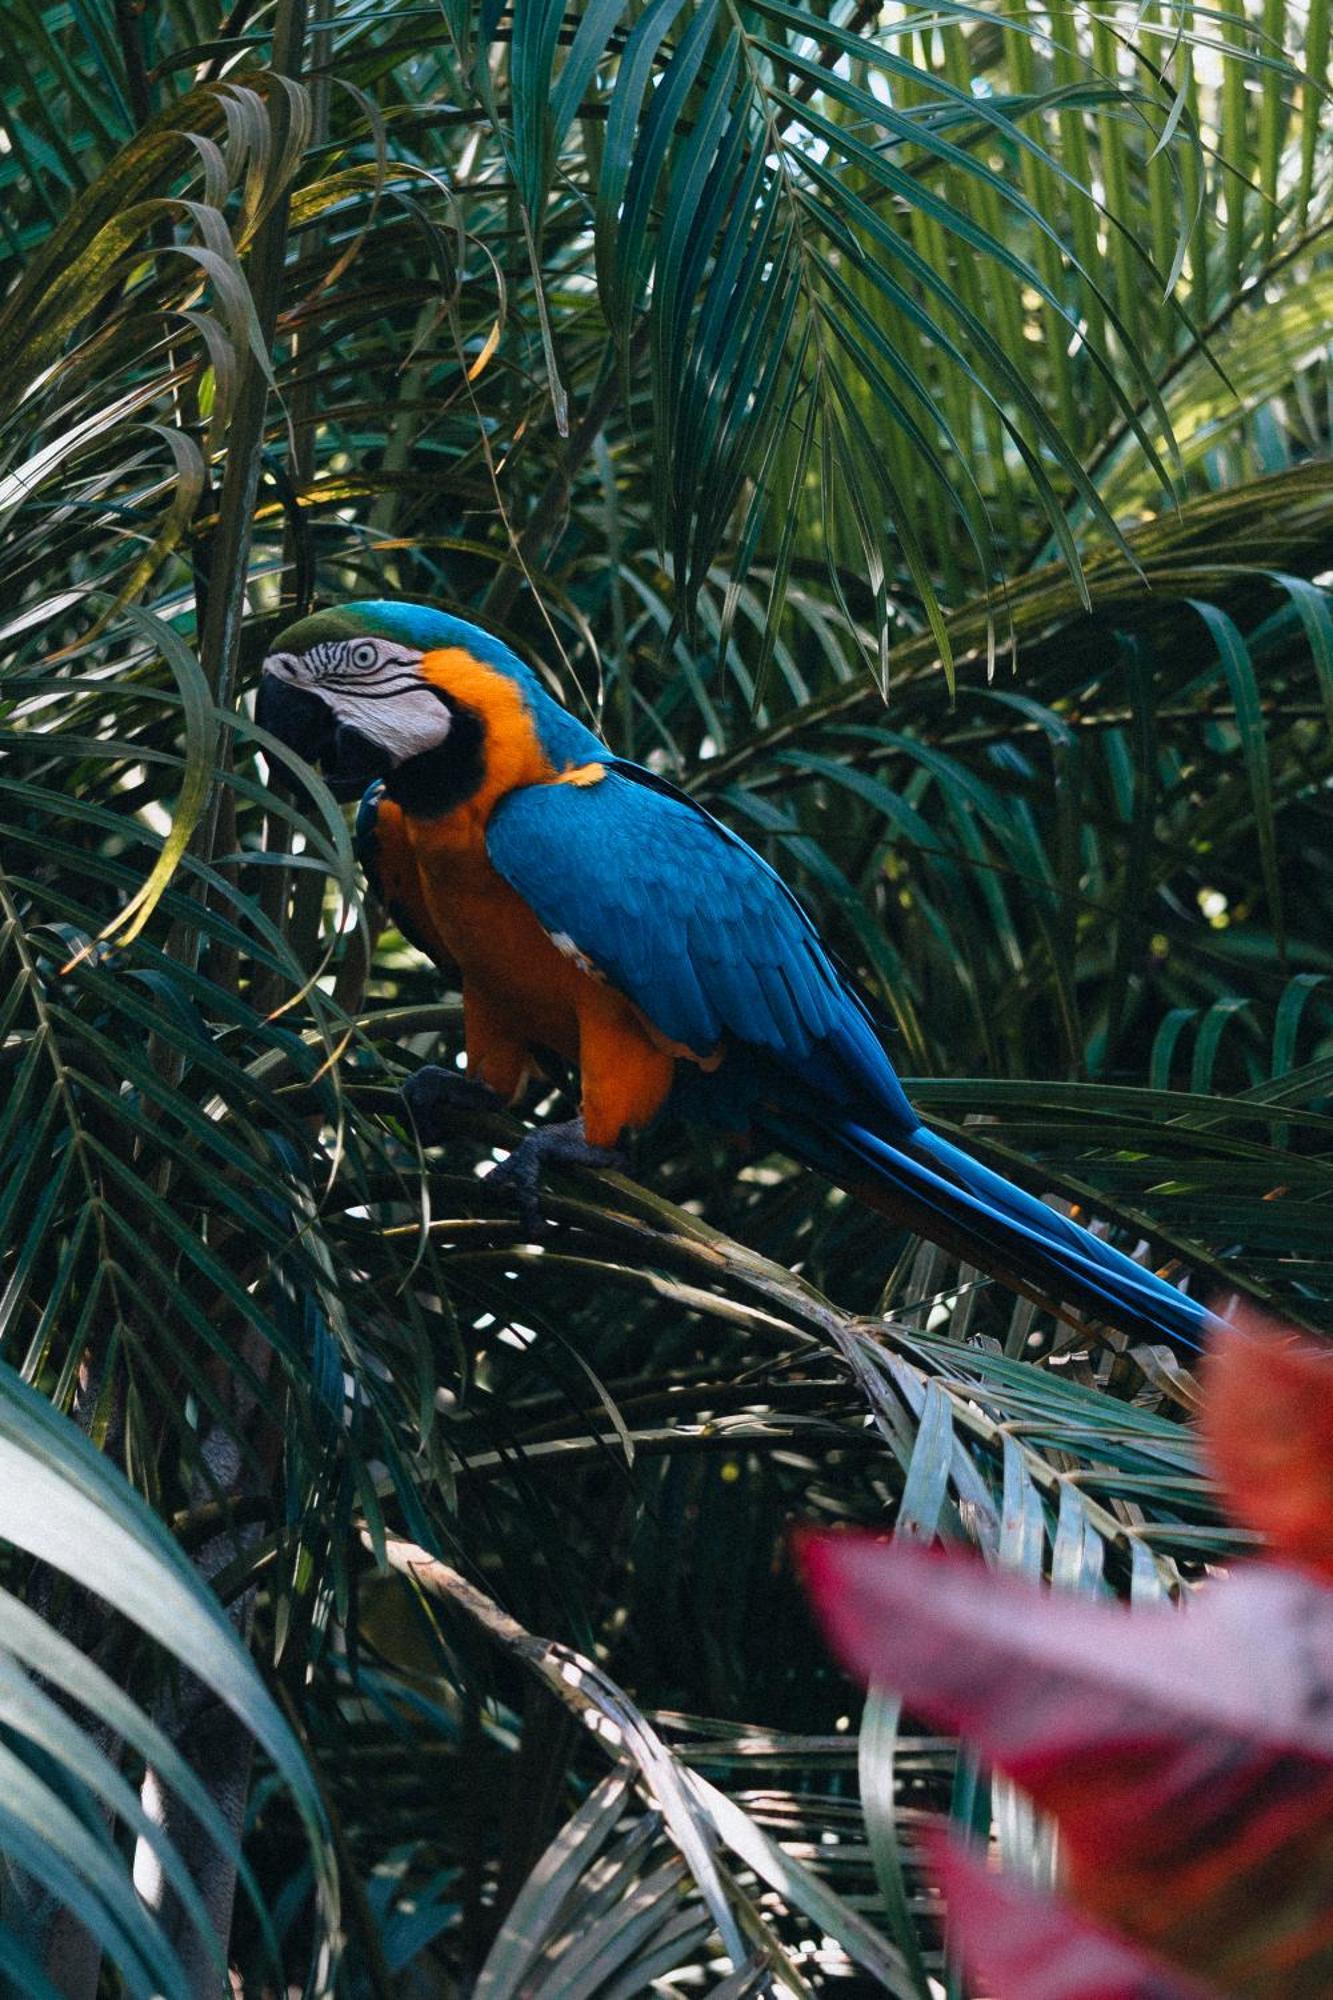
594,911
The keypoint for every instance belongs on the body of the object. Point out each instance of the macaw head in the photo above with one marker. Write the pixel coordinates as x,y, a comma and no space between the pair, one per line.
430,704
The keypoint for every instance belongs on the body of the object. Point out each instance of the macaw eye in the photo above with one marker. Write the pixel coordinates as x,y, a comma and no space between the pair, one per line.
365,653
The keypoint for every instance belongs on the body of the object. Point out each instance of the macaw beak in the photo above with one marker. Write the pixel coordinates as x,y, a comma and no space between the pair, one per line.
348,760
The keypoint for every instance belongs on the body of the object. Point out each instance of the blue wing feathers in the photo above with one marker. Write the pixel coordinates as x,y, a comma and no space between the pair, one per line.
694,927
680,915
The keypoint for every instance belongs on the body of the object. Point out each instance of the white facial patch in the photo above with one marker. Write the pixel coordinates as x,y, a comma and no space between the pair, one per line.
404,724
375,687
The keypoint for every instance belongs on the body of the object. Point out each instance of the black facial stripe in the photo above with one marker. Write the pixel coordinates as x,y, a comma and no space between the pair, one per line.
330,662
363,691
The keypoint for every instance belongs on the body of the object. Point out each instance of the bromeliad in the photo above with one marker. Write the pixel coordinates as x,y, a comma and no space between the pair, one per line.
594,911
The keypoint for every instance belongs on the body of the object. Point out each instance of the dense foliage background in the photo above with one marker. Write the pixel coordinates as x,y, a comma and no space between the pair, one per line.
907,426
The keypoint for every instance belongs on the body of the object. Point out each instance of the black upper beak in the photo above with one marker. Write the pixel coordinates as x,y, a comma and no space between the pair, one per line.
296,717
307,725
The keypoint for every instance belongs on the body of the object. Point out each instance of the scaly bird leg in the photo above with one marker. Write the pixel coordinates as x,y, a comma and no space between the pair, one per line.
560,1145
433,1094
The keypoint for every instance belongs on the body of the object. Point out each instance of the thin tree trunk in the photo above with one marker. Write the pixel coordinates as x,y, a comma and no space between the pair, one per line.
218,1747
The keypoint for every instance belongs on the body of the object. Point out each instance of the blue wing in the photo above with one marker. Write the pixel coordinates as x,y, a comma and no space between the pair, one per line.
680,915
676,912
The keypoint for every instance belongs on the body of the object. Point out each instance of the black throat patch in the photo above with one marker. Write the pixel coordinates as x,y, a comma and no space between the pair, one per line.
431,784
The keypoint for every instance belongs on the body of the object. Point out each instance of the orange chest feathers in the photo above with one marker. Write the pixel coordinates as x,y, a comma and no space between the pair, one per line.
439,874
521,992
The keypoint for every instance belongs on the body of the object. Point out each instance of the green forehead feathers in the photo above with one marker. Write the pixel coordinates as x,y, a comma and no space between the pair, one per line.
346,621
418,625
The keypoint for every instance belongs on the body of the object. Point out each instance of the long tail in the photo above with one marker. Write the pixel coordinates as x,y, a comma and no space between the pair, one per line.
992,1223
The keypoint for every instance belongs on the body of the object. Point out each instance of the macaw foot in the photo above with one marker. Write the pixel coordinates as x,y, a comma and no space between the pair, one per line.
560,1145
433,1093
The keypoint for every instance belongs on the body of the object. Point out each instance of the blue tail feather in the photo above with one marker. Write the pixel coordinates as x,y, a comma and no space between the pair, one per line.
1033,1242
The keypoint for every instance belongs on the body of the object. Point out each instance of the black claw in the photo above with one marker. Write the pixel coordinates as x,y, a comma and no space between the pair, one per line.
561,1145
433,1094
521,1174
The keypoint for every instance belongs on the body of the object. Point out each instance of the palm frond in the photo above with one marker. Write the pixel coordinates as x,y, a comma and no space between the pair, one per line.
66,1798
